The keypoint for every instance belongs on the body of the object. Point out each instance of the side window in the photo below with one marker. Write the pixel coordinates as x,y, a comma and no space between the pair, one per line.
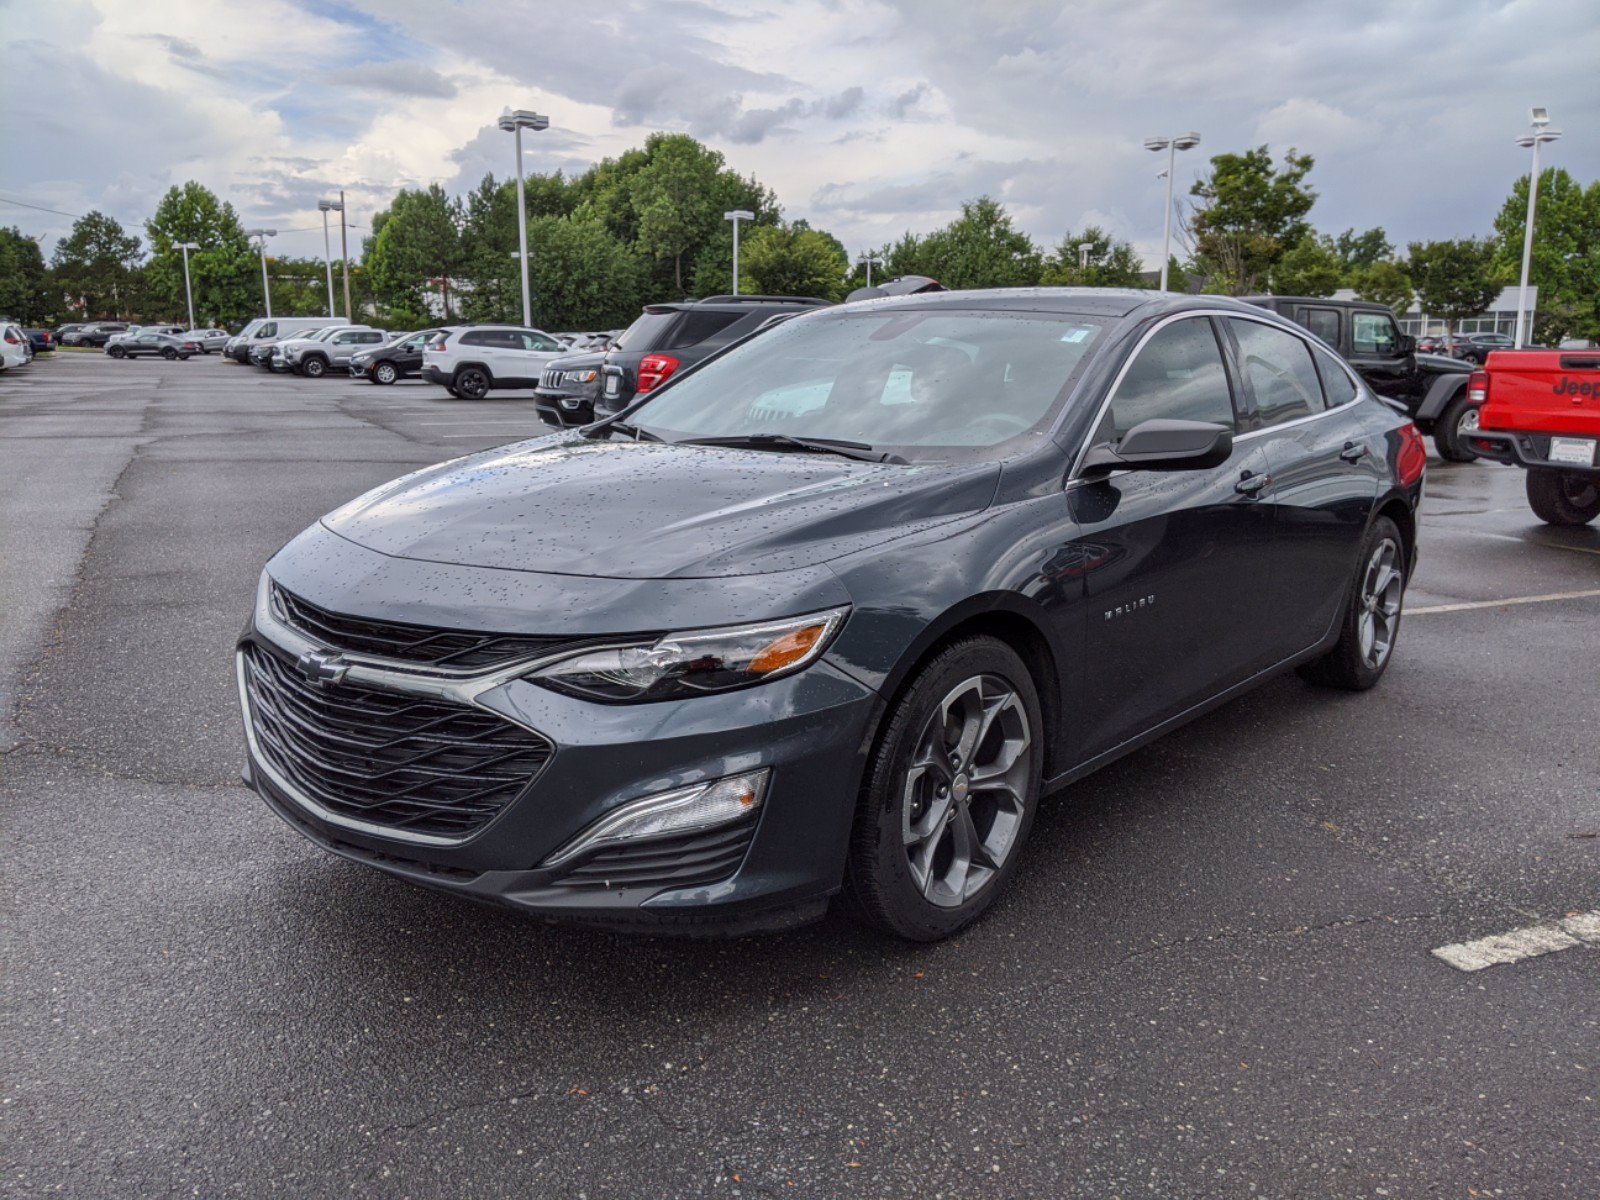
698,326
270,329
481,337
1278,367
1373,333
540,341
1178,374
1324,322
369,339
1337,385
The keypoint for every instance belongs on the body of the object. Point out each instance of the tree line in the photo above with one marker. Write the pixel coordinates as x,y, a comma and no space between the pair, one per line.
648,226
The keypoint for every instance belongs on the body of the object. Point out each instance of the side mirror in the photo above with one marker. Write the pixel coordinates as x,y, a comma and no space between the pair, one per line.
1161,444
1408,344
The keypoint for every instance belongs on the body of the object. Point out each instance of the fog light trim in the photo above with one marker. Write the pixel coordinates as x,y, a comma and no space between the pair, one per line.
691,809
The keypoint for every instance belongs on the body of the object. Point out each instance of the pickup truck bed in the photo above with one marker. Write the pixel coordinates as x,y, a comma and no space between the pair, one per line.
1541,412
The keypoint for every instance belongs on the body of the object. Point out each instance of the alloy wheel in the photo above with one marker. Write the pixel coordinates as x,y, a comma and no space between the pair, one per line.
472,384
384,373
964,794
1467,423
1382,588
314,367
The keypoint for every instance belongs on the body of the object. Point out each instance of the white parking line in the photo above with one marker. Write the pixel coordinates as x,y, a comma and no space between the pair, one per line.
1441,608
1580,929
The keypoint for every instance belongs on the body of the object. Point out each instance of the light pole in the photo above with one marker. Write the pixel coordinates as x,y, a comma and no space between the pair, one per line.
515,122
261,244
737,215
1538,118
1171,145
869,261
344,252
326,207
188,294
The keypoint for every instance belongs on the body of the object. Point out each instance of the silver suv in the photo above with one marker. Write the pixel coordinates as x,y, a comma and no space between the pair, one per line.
315,357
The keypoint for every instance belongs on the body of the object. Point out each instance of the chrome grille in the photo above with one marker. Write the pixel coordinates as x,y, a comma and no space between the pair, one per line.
410,763
553,379
459,649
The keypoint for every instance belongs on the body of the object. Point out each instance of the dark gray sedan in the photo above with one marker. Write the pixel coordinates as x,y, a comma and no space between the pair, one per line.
826,615
167,345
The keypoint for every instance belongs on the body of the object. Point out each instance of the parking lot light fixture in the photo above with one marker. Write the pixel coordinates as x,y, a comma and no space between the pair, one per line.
869,261
1083,255
737,215
261,236
1539,120
514,121
188,293
325,207
1171,145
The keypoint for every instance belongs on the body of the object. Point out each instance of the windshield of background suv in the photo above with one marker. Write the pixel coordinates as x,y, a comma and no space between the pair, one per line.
646,333
921,384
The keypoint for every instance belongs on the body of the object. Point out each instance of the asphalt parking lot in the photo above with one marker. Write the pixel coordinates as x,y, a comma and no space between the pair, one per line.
1214,977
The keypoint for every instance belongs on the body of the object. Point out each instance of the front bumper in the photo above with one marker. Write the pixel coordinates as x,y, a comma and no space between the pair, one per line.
1526,450
808,729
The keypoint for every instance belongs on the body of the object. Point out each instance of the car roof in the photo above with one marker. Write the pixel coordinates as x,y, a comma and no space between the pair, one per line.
1322,301
1107,302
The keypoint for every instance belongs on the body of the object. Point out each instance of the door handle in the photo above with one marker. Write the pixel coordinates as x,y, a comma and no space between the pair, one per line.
1354,452
1251,484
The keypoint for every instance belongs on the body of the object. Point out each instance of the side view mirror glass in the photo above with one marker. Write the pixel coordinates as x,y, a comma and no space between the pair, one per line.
1408,344
1163,444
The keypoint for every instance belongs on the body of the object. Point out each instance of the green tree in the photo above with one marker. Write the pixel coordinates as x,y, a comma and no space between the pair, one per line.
1565,263
415,249
1454,280
979,249
1248,215
673,197
1384,282
1358,251
25,291
581,275
95,265
1110,263
792,260
223,271
1311,267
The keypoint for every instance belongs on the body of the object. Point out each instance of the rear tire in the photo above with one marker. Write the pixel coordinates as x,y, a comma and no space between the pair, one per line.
314,367
471,383
1370,624
1455,425
169,354
1563,497
384,373
949,794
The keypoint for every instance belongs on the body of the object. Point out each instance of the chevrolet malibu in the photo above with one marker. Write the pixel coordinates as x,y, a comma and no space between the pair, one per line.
827,615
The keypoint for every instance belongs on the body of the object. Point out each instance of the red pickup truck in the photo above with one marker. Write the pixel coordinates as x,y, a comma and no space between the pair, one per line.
1541,412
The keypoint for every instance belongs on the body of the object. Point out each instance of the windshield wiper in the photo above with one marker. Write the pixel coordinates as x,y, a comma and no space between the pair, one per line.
861,451
636,432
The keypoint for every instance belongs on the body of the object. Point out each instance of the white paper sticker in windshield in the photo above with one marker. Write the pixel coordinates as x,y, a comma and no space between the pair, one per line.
1078,334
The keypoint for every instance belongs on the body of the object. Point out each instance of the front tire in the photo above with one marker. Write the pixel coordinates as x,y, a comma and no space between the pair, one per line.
314,368
1563,497
384,373
1370,624
951,788
117,352
471,383
1456,424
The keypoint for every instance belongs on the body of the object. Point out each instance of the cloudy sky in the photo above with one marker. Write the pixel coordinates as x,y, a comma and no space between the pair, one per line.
868,117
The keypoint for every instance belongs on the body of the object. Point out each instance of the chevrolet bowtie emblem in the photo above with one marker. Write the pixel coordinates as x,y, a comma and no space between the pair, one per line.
322,669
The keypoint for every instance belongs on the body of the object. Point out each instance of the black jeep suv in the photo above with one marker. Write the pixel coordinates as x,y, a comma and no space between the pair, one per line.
1431,387
666,338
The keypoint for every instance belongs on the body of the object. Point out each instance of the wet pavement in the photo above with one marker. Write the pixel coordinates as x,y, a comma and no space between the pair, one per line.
1213,978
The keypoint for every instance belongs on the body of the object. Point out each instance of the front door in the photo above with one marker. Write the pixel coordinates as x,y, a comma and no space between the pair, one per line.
1378,353
1179,565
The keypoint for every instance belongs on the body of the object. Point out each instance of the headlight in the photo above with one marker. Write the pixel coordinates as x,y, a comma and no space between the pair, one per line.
693,664
581,376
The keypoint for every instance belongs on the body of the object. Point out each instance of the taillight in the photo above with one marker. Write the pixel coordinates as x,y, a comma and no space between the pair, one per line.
1478,387
1412,459
654,370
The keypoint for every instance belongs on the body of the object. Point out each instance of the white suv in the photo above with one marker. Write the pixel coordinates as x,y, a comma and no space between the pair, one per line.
471,360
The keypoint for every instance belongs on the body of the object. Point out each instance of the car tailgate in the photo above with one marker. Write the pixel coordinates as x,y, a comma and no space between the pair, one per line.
1547,391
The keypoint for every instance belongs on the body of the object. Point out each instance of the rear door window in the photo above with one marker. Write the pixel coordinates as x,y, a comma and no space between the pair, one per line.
1178,374
1324,322
1337,386
649,332
700,326
1279,372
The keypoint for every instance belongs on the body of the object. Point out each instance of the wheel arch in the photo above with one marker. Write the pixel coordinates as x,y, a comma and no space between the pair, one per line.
1440,393
468,365
1397,509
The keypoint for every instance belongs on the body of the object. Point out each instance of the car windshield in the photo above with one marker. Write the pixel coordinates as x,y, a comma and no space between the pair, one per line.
920,384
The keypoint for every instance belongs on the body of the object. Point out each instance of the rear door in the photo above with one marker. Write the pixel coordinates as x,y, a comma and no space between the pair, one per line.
1325,475
1176,564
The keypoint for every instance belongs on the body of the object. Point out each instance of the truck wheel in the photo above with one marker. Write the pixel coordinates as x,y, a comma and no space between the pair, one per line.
1455,425
1563,497
1370,624
314,367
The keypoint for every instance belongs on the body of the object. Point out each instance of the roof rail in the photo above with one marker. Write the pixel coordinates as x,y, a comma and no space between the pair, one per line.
761,300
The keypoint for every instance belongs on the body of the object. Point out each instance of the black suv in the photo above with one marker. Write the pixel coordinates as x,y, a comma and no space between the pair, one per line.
664,340
1431,387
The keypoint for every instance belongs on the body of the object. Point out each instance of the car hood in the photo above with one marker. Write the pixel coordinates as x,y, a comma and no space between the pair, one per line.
581,361
645,510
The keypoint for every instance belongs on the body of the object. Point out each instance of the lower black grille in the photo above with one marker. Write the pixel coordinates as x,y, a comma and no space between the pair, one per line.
684,861
410,763
455,648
